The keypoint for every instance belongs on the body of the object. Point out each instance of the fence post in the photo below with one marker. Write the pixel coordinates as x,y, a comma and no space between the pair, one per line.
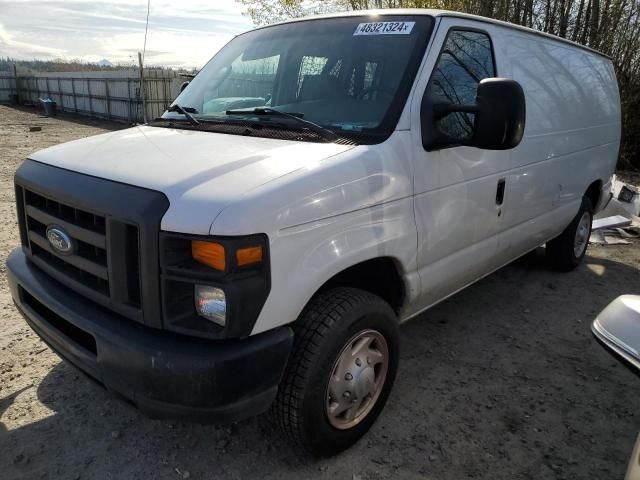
73,91
157,96
46,80
129,97
106,93
89,95
60,95
144,105
15,81
165,93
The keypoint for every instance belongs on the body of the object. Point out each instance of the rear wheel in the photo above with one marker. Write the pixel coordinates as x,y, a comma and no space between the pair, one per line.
340,372
566,251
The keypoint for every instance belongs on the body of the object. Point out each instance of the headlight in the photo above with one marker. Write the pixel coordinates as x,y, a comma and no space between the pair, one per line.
213,286
211,304
213,254
209,253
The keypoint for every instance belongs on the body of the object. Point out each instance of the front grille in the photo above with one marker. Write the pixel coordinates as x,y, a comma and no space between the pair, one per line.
87,265
89,268
114,229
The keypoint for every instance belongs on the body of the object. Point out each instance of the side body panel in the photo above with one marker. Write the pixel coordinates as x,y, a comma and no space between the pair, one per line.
571,138
328,216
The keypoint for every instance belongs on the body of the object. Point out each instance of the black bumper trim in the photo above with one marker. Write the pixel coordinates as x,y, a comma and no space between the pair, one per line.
165,375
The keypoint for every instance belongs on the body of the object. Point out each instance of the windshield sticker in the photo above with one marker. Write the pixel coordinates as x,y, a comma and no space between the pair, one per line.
384,28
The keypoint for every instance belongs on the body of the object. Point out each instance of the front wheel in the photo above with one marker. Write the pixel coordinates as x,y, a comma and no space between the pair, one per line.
566,251
340,372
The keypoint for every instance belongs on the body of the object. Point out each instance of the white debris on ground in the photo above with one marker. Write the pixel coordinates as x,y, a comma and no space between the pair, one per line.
615,236
619,222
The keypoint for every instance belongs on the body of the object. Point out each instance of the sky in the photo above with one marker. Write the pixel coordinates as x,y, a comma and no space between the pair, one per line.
182,33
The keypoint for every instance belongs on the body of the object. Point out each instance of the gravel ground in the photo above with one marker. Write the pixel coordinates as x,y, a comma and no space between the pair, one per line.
502,381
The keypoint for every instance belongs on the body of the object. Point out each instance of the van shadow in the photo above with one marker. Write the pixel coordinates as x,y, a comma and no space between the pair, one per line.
503,380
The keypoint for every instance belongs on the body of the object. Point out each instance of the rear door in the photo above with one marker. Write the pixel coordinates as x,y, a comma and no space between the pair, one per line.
459,192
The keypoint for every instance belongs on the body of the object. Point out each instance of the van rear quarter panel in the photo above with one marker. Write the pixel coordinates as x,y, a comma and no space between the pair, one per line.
571,137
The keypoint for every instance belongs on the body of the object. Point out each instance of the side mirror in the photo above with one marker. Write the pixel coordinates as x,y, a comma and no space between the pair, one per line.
617,327
499,118
183,86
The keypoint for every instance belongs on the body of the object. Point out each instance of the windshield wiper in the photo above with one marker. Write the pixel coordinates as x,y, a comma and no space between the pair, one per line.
184,110
319,129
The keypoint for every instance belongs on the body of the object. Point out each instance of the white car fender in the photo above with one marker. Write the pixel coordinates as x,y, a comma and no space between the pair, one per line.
324,218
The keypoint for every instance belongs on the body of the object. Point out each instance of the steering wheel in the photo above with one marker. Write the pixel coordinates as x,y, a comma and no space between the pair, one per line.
366,91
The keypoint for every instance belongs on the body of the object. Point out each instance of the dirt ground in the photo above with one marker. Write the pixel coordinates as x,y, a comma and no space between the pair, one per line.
502,381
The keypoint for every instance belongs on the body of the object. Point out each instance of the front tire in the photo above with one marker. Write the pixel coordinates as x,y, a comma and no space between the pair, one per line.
340,372
565,252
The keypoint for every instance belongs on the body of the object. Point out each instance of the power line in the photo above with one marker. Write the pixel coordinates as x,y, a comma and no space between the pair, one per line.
146,29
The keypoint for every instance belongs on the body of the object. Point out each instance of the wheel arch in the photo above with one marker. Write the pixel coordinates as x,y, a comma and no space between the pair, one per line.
381,276
593,193
372,249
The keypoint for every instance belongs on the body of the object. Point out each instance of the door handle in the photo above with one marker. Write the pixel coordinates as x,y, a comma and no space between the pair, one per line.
500,191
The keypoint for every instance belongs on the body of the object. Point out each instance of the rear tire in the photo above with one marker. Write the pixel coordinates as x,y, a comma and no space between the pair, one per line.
330,369
565,252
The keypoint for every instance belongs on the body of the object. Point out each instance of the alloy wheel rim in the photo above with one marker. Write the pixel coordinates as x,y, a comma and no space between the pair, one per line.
357,379
582,234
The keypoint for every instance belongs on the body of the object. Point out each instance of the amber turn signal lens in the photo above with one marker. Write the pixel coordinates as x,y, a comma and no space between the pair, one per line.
209,253
249,255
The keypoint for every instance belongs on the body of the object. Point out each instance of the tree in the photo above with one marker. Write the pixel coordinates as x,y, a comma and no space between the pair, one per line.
263,12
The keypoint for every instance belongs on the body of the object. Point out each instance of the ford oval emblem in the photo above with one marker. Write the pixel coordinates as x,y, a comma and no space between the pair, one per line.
59,240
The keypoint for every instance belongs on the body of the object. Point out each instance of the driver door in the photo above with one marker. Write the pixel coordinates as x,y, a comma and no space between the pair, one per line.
459,191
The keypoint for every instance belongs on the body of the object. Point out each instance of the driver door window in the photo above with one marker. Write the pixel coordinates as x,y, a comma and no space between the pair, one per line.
465,59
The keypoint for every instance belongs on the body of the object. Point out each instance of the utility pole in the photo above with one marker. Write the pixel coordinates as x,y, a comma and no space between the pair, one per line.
144,103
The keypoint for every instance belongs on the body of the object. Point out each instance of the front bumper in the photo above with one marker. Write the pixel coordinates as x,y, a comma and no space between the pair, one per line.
165,375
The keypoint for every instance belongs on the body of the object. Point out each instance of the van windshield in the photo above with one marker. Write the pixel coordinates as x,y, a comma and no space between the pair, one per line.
351,75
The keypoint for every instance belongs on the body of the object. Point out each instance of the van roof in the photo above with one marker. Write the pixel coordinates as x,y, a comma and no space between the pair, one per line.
441,13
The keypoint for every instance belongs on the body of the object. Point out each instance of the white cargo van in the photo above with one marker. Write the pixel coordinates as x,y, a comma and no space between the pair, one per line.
319,182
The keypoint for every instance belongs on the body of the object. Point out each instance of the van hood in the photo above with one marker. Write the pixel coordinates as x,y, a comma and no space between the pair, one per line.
199,172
